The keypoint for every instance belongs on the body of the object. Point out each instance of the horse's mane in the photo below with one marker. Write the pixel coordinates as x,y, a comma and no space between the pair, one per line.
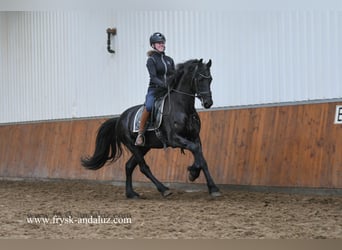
175,77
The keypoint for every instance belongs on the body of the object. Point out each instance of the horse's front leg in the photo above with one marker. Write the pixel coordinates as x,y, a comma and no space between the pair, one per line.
202,163
199,164
194,172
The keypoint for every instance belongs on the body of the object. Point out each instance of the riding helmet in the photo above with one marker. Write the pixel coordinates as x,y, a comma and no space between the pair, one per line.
157,37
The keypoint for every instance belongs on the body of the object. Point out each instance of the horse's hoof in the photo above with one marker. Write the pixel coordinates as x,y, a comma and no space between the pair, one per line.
193,173
216,194
166,193
191,178
133,196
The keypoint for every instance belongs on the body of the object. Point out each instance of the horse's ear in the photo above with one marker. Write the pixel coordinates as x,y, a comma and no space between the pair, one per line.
200,61
209,63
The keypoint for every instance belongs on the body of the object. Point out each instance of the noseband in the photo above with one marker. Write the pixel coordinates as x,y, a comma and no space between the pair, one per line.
201,94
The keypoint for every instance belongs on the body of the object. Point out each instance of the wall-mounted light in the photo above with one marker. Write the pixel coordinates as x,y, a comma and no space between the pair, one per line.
110,32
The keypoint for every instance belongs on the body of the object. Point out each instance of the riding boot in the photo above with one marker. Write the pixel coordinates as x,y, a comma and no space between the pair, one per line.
140,141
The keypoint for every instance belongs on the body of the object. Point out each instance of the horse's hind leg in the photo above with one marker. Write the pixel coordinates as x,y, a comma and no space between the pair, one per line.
130,166
138,158
145,169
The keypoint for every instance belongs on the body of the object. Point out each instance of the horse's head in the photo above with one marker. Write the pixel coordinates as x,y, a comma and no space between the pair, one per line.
193,78
201,83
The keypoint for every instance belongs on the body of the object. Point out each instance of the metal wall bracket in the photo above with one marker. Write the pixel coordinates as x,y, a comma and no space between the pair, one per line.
110,32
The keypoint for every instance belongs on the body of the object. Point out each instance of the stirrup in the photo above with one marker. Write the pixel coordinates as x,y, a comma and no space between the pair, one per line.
142,138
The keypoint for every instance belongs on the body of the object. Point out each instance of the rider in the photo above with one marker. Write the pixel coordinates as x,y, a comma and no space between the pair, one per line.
159,67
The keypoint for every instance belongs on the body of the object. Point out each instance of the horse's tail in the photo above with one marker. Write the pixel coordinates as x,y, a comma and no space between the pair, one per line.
107,147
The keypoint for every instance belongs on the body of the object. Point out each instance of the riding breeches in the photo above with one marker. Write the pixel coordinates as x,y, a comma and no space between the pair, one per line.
149,101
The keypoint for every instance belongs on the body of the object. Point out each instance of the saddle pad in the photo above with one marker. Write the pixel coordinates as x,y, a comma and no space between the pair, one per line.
153,122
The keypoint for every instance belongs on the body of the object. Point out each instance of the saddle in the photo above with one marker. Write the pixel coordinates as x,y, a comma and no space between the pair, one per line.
155,119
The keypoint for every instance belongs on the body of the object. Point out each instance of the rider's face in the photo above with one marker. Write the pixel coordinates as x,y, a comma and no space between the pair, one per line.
159,46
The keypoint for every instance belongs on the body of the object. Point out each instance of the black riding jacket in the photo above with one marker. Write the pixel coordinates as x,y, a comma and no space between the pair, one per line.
159,67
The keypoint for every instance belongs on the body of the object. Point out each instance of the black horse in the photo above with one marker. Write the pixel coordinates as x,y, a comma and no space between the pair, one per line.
180,128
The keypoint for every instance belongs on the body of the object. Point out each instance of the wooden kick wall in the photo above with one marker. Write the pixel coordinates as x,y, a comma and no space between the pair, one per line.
285,146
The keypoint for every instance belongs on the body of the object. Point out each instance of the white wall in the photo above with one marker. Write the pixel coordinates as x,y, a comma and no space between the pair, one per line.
54,64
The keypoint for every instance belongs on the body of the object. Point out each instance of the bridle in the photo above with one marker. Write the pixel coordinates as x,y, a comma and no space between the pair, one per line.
194,80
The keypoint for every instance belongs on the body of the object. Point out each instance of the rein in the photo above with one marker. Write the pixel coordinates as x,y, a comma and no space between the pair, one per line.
194,79
183,93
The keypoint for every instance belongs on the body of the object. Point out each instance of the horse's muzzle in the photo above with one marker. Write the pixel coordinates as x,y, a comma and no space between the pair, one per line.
207,103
